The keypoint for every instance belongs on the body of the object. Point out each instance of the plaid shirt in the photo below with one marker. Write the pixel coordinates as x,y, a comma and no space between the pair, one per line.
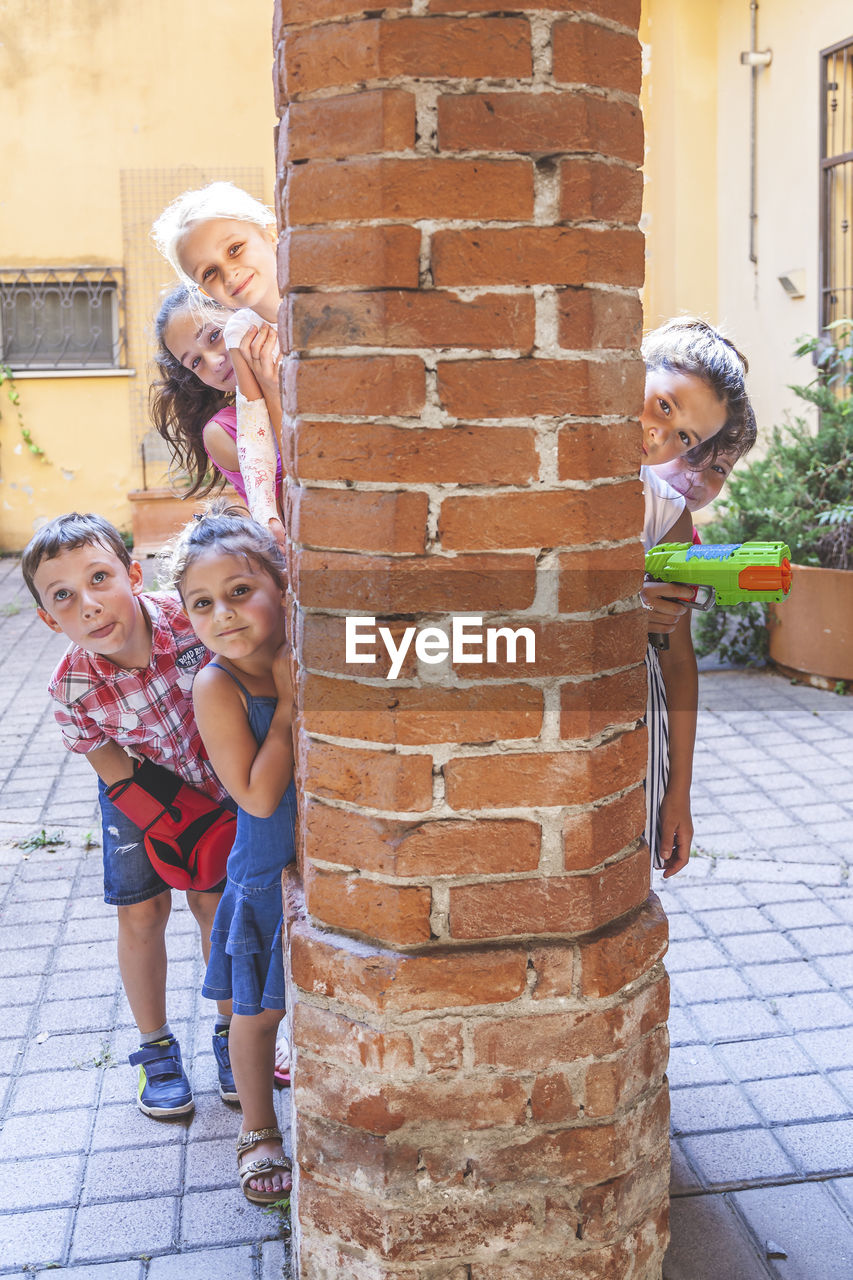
147,711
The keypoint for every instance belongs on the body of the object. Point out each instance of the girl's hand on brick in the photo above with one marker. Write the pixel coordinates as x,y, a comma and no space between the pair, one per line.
663,611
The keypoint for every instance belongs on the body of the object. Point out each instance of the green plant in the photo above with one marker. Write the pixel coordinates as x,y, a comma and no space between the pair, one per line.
7,379
798,493
42,840
90,841
281,1208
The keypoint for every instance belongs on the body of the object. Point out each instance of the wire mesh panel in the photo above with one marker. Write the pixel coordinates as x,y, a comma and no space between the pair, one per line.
144,195
836,194
62,318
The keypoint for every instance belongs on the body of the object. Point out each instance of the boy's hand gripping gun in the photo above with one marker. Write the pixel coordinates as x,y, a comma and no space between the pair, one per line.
723,574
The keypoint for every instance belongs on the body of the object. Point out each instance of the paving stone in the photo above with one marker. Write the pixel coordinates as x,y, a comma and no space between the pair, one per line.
843,1080
738,1157
838,969
681,1029
696,1221
709,984
800,915
767,1057
34,1184
815,1010
694,953
275,1260
695,1064
734,920
711,896
17,913
82,982
204,1264
123,1228
733,1019
682,1177
36,1135
126,1126
136,1172
226,1217
91,929
101,1271
214,1118
85,955
791,1098
26,960
828,1048
684,926
714,1106
784,978
759,947
37,1237
92,1013
210,1163
54,1091
806,1222
826,1147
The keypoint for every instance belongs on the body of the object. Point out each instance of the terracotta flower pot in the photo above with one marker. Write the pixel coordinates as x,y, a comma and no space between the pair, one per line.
157,514
812,631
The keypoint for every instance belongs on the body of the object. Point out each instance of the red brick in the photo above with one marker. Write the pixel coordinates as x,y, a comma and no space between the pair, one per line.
380,779
386,981
576,1155
617,1082
348,1156
428,584
606,1210
598,318
596,189
547,777
435,848
537,255
342,257
356,1044
625,11
554,970
588,707
555,1098
600,576
579,647
541,124
562,517
588,451
446,1227
378,1105
415,455
550,904
522,388
362,520
624,950
585,53
354,124
422,715
398,318
442,1045
317,1256
394,915
638,1254
363,385
596,834
293,12
320,642
345,54
348,190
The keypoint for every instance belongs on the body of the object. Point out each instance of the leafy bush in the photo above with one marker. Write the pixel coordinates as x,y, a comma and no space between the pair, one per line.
799,493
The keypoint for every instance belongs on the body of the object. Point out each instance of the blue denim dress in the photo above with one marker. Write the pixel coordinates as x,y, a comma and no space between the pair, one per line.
246,962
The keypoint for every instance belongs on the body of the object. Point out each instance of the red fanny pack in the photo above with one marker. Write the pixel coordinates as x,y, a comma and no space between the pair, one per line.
187,836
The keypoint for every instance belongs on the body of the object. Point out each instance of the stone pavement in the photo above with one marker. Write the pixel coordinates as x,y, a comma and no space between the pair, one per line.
762,1024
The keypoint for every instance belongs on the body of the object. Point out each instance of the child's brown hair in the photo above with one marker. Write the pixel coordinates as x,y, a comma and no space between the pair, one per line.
66,533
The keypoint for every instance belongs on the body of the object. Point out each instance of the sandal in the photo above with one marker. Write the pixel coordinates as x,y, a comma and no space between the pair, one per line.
258,1168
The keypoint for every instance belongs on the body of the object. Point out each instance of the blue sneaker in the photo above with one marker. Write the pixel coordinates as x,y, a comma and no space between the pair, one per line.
227,1087
164,1089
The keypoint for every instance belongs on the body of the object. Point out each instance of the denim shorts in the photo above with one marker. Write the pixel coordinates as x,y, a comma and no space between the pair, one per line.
128,874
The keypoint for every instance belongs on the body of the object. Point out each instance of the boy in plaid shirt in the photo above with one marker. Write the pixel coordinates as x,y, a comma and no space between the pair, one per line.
123,690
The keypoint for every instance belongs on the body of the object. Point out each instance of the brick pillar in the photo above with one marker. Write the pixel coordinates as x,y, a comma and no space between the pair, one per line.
474,961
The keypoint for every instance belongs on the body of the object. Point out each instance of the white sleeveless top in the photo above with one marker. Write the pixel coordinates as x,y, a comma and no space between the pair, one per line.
663,506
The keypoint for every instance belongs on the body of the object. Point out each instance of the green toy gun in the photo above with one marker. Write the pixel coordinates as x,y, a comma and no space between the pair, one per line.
724,573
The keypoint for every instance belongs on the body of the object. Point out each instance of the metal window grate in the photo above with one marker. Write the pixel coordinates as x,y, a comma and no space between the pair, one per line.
62,317
836,184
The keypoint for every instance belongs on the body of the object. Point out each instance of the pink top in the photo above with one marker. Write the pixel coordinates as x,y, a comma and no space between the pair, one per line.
227,419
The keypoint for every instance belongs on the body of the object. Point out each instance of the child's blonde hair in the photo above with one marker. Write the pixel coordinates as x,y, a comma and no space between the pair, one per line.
216,200
230,530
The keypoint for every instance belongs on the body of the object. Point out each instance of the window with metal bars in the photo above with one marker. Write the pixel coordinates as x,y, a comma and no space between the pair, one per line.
836,184
61,318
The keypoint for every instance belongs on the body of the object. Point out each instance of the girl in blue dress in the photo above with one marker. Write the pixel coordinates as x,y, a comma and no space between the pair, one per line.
231,578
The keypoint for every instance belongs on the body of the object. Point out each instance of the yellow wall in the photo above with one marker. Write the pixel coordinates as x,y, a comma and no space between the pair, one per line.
697,194
89,88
